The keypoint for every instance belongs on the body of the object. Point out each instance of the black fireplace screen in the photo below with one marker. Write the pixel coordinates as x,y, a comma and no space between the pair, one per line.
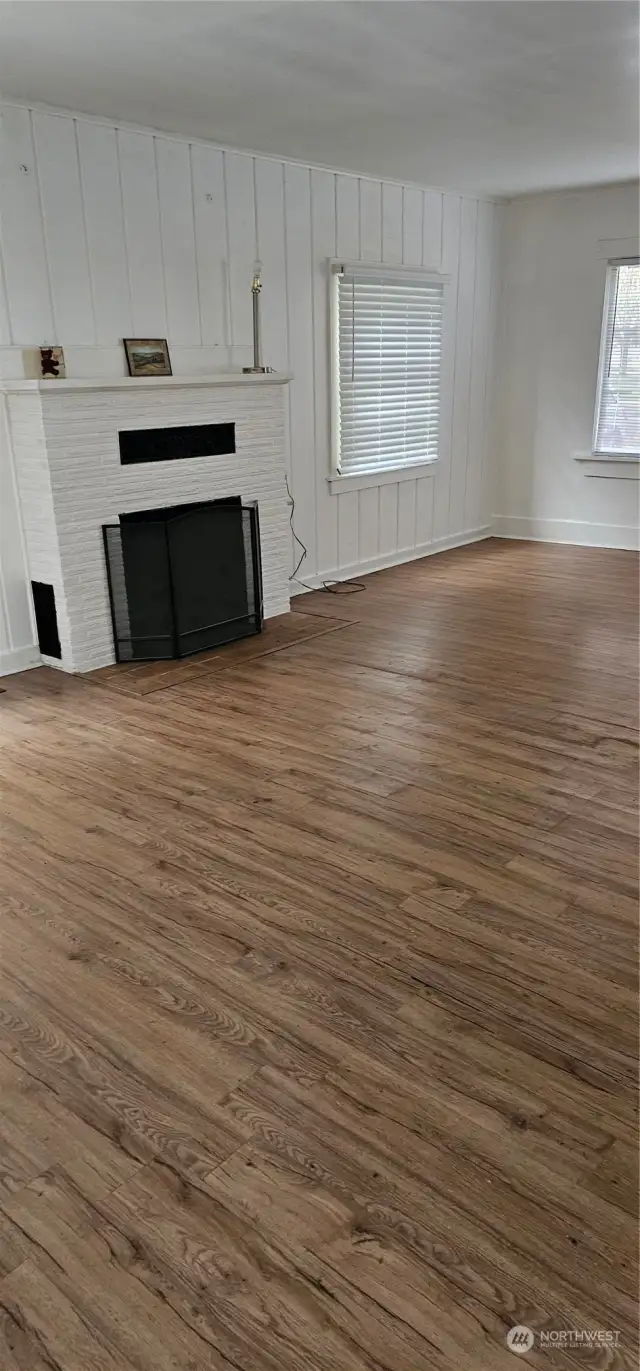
183,579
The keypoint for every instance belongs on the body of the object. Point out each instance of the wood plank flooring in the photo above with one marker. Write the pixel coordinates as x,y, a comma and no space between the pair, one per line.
145,678
318,1002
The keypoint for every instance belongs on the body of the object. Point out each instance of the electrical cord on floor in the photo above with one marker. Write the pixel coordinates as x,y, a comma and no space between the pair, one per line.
342,587
331,587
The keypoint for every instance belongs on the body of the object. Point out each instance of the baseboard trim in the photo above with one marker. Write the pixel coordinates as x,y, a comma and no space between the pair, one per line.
572,531
412,554
19,659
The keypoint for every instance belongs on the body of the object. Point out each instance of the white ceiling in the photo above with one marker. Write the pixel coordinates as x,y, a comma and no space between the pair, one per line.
506,97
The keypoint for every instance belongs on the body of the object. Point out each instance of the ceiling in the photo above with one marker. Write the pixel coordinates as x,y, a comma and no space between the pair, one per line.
505,98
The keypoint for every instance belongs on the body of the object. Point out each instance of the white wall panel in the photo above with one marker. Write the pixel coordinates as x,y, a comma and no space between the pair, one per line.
271,245
412,205
241,228
450,250
370,221
348,532
297,208
451,208
177,234
462,372
17,634
102,198
368,523
142,234
348,245
323,248
494,382
5,639
391,223
269,187
212,255
5,326
406,515
432,230
388,529
477,425
24,260
347,217
135,234
64,227
370,226
424,510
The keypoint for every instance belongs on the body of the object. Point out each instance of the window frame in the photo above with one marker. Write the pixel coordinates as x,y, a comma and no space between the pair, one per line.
609,454
378,476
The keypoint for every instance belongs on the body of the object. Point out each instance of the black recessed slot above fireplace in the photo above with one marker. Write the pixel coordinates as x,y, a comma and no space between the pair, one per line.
175,444
184,578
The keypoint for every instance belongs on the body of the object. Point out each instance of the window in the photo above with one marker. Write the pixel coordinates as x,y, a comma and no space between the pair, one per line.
617,426
387,362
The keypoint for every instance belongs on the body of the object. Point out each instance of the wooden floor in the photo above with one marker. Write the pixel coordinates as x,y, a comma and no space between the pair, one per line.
318,988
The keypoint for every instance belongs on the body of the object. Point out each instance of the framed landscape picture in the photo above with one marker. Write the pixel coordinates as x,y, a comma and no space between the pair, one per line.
147,356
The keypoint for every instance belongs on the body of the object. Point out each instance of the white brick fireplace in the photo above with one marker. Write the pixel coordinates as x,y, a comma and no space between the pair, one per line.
71,482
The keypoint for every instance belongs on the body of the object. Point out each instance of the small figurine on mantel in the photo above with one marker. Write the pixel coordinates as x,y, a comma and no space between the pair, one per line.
52,365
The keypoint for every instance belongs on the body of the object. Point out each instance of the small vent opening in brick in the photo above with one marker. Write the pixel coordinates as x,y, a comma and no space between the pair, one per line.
44,604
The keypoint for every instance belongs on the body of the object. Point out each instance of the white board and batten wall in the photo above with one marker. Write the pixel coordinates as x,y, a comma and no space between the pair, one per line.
108,232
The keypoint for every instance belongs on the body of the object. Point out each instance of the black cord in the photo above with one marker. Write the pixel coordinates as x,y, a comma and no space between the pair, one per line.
303,554
343,587
331,587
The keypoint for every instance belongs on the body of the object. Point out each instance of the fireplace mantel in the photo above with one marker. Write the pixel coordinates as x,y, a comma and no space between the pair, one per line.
72,481
83,384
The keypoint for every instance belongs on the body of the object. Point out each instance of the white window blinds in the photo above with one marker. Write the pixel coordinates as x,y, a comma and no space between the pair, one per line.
617,427
387,377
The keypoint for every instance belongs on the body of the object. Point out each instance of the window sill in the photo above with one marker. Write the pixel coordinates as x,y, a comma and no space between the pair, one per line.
624,466
338,485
